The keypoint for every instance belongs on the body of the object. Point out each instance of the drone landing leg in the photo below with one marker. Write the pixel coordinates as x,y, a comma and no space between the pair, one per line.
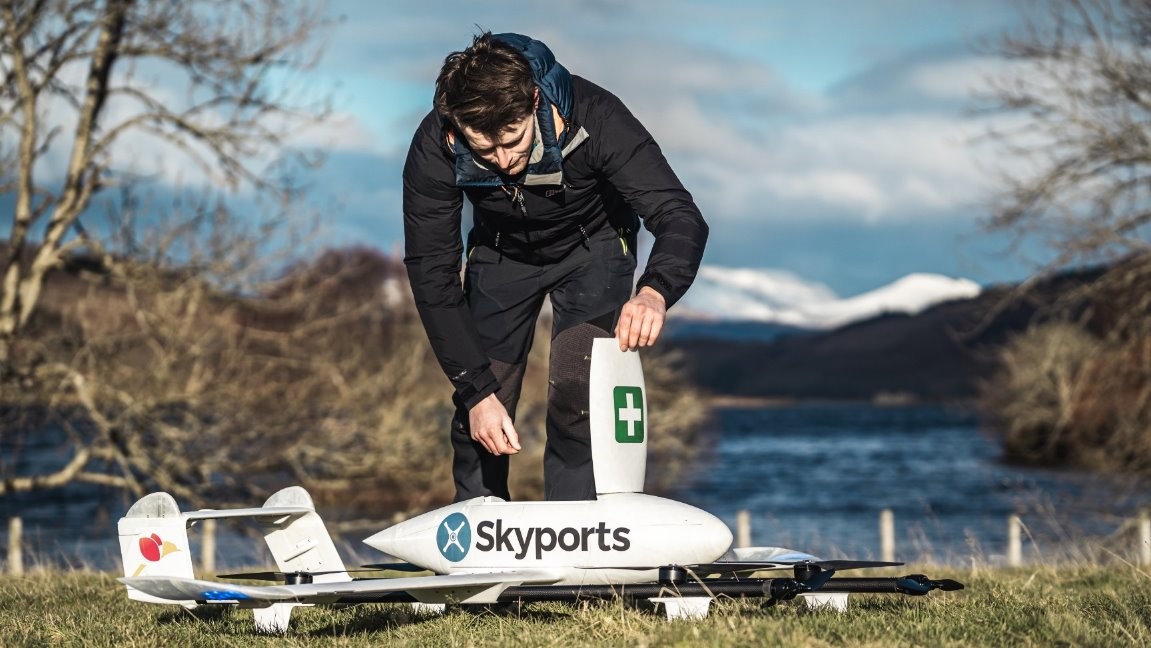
429,609
826,601
274,618
687,607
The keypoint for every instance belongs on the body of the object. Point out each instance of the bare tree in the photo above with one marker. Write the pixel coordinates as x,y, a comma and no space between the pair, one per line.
1078,93
83,83
99,95
1077,96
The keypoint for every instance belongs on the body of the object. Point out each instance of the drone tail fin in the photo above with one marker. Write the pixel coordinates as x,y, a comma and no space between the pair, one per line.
617,408
300,542
154,538
154,542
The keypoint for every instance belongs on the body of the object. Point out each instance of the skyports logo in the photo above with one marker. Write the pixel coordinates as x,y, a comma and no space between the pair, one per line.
629,415
494,536
454,537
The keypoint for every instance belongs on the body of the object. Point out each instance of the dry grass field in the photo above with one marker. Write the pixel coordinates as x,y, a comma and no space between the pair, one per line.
1042,606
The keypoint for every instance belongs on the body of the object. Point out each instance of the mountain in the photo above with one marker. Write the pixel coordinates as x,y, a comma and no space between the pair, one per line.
782,298
940,353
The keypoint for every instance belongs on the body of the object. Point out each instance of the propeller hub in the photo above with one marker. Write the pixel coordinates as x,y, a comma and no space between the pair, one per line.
806,571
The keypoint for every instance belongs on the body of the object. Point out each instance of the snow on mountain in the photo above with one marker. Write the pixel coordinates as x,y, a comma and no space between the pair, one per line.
784,298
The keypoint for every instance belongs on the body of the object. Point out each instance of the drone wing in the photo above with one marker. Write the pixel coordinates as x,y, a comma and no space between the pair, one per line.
451,588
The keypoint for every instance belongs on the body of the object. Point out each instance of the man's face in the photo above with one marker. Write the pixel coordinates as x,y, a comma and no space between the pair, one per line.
508,151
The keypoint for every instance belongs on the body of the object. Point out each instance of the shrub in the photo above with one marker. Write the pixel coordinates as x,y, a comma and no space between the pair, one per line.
1064,397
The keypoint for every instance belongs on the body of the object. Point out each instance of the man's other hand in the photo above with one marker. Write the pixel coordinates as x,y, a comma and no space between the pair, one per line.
641,320
492,427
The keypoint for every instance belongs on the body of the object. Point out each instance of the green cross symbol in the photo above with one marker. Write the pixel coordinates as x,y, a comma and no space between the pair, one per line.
629,417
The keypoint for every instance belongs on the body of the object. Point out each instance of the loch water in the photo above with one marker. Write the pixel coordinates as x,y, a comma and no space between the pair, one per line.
816,477
813,477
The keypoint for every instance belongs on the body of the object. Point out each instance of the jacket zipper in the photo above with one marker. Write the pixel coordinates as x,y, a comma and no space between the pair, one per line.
516,195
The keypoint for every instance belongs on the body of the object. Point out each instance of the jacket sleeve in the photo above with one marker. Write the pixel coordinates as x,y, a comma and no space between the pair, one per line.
433,254
635,166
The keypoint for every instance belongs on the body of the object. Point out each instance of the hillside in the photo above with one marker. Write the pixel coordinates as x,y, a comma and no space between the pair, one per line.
940,354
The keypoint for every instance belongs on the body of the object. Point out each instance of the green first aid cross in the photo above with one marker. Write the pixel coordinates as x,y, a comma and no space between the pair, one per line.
629,416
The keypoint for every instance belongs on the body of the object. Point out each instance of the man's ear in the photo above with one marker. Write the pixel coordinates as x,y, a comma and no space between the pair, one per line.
535,99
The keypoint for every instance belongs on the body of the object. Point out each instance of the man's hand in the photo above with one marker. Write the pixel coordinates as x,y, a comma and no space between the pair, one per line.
492,427
641,319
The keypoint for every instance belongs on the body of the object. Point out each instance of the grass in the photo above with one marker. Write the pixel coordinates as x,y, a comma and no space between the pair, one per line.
1043,606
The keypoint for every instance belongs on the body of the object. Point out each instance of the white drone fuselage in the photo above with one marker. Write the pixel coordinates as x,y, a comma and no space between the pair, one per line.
617,538
622,536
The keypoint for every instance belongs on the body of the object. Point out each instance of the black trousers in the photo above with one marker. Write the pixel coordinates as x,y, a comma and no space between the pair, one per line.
586,290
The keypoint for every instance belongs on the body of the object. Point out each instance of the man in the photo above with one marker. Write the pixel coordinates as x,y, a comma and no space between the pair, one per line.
556,170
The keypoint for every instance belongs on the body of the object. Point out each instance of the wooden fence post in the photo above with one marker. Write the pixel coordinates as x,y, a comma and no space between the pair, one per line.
743,528
887,535
1145,537
15,547
208,547
1014,541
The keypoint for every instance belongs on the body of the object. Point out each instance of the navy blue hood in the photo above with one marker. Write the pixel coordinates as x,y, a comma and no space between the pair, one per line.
553,79
555,86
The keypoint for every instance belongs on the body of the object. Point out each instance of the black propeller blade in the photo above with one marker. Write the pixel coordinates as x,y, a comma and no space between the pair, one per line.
395,566
306,577
736,567
840,565
285,577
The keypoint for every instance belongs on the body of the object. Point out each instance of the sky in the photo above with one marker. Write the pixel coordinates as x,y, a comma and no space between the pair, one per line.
832,143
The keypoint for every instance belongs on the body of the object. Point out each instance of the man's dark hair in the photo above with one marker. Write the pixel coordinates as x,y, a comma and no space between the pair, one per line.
485,87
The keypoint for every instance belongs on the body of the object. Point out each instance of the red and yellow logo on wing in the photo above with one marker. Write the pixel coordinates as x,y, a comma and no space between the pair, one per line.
152,548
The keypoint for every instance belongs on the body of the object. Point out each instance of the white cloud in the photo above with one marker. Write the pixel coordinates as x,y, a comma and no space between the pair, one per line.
750,146
844,189
339,132
879,167
775,286
956,79
721,293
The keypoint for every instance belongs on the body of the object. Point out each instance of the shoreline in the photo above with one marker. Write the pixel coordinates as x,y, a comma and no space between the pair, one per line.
724,401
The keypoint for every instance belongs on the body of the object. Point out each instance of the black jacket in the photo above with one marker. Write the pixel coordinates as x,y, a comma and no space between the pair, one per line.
617,173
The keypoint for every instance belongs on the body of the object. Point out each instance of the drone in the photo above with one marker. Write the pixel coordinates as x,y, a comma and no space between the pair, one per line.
623,544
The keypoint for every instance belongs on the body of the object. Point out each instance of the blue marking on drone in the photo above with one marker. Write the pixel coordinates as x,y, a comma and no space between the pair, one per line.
224,595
